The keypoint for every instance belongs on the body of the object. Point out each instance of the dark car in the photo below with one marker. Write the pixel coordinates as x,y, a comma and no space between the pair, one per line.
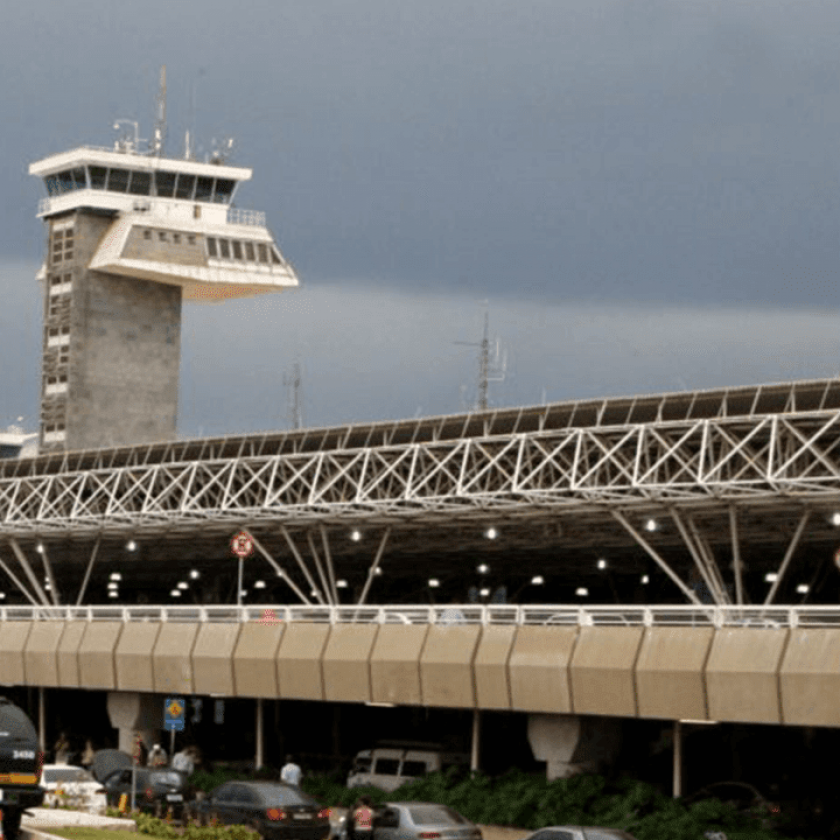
157,790
422,821
274,809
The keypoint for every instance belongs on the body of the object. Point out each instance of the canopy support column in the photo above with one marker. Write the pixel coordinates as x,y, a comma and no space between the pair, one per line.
302,565
656,557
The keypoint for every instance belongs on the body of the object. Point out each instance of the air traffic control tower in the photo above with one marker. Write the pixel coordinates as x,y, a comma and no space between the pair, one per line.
130,234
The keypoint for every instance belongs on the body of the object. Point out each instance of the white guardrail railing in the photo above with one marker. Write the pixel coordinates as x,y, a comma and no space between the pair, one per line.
240,216
449,615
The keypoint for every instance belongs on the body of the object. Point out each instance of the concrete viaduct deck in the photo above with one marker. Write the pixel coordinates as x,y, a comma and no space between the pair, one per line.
737,664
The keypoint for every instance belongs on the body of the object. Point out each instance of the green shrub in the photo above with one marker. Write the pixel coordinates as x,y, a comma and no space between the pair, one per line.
202,780
530,802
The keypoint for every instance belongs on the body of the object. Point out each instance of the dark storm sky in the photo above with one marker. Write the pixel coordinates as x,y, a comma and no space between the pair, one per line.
645,192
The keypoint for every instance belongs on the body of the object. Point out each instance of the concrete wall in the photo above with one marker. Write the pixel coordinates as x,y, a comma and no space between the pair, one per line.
738,674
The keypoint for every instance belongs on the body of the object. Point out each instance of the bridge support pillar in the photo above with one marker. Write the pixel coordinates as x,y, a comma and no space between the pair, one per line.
572,744
132,712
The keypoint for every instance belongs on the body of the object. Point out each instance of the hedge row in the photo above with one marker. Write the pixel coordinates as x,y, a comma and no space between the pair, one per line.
531,802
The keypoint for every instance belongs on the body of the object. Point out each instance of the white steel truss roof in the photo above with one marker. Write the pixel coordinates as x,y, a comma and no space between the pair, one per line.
758,458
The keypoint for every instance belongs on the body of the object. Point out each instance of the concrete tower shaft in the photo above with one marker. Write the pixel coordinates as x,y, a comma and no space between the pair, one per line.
129,236
111,346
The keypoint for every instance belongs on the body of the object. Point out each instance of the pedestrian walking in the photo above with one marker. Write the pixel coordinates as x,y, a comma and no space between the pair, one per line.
87,755
62,749
291,772
157,757
183,761
362,820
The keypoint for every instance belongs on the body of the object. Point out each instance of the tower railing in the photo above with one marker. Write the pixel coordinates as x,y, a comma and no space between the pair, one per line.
552,615
238,216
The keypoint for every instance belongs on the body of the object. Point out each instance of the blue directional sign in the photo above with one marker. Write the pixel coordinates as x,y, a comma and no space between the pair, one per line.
173,714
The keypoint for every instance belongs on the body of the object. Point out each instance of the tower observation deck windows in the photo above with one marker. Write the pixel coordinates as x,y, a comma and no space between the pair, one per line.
186,185
203,189
141,183
211,246
224,249
66,181
250,254
118,180
224,190
98,177
165,184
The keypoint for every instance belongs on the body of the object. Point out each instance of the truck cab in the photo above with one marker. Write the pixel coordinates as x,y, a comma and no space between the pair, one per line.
20,767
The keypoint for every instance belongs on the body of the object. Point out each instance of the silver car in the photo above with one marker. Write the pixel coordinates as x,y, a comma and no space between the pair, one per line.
579,832
422,821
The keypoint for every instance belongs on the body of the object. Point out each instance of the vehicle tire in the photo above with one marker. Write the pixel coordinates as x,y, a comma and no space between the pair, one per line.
254,826
11,823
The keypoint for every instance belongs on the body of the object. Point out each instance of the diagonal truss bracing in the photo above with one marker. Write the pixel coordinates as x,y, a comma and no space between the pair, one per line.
718,459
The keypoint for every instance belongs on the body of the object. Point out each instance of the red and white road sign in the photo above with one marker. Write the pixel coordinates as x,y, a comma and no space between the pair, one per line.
242,544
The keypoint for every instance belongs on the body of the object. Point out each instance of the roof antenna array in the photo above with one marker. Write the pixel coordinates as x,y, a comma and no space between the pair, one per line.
221,152
160,120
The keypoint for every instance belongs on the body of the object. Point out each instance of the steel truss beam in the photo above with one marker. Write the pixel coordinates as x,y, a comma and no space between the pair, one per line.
701,463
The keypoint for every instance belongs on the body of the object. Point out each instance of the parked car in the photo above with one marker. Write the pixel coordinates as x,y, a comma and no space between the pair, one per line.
274,809
422,821
158,790
579,832
67,784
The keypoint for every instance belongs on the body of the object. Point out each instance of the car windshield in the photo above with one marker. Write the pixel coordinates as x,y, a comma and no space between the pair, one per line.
66,774
435,815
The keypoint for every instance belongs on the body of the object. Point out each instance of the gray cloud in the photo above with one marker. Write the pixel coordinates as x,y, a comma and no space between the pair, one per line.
368,353
657,152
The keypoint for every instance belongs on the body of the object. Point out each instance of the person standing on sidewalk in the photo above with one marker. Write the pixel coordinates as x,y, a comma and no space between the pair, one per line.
362,825
291,773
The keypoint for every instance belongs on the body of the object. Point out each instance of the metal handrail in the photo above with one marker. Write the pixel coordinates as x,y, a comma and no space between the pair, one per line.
240,216
549,615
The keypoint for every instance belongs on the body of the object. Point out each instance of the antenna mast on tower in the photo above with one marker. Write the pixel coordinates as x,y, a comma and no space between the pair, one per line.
160,118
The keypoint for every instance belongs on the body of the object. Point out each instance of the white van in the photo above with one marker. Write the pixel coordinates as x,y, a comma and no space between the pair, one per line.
388,767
